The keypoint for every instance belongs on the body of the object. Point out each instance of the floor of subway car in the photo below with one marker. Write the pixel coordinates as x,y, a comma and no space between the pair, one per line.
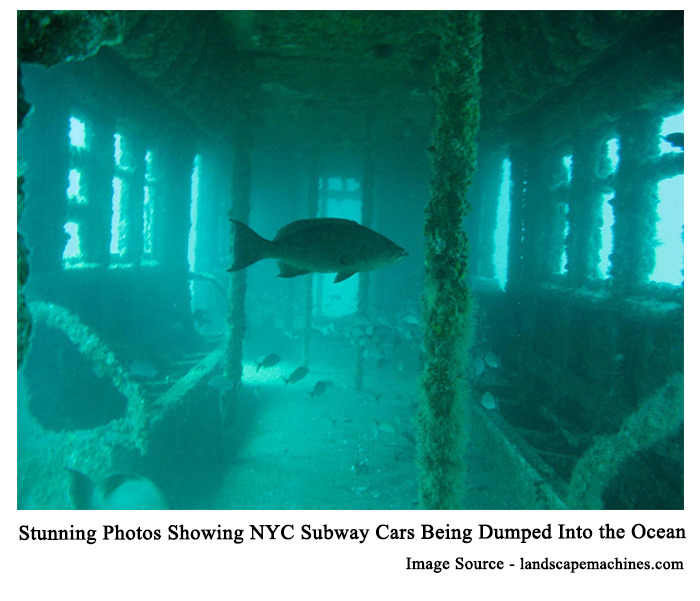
342,449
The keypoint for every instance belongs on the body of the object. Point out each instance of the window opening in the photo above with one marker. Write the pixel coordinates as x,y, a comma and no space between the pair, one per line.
119,227
76,133
335,183
119,152
74,191
568,162
669,227
608,217
606,236
71,252
672,125
669,232
564,255
148,206
195,289
194,206
500,257
72,255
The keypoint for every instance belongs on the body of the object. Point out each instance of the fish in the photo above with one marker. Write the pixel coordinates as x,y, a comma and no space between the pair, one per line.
298,374
143,368
221,383
383,428
675,139
488,401
321,387
324,245
118,491
491,359
269,361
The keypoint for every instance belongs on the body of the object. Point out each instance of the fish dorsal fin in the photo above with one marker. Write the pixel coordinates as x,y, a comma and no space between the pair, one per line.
343,275
288,271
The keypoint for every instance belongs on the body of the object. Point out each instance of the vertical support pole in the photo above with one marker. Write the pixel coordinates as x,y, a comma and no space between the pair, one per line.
97,175
171,224
589,174
240,211
634,206
447,303
321,212
543,216
312,211
243,140
132,199
173,206
367,213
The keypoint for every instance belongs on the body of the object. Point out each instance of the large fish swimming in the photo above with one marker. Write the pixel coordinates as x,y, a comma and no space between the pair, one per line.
316,246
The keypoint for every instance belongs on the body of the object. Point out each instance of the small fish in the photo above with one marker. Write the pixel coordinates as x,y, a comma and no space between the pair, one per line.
316,246
321,387
142,368
383,428
119,491
491,360
298,374
479,366
269,361
488,401
675,139
411,320
221,383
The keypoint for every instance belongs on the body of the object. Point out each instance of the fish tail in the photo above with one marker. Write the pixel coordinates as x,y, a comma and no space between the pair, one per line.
80,489
248,247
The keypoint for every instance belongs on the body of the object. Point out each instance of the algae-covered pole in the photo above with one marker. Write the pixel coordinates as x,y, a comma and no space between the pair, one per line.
446,299
590,171
240,211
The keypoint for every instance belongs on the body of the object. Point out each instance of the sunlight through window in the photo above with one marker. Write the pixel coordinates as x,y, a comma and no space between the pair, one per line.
500,258
77,133
118,242
72,250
